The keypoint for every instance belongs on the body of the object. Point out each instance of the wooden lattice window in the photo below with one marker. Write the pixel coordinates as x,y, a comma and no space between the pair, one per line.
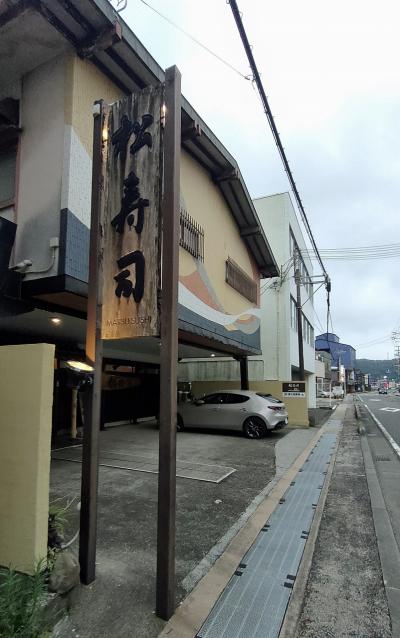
240,281
191,236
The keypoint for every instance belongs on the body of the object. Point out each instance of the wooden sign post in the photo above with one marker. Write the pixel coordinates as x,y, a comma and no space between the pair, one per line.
129,168
90,452
165,595
124,263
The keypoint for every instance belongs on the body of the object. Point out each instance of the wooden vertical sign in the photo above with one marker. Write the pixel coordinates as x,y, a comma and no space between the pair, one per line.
130,216
165,594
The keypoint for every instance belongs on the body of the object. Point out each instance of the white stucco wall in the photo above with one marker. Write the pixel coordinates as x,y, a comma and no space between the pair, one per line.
279,341
55,163
40,164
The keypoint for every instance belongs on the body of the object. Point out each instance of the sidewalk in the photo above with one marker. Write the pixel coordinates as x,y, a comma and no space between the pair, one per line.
344,594
338,589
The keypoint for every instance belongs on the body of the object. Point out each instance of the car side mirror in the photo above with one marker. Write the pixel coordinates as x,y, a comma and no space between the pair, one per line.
199,402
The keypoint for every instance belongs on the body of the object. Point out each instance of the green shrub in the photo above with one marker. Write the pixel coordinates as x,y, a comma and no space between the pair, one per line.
23,604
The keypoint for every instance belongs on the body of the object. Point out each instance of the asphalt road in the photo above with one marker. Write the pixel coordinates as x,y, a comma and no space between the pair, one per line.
386,408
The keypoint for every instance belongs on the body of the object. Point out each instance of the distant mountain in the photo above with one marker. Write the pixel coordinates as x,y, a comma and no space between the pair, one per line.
378,368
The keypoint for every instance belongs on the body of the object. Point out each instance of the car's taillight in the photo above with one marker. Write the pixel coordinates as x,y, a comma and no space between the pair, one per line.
276,408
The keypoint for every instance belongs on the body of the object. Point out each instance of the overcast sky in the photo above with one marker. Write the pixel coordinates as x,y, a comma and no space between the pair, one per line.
331,73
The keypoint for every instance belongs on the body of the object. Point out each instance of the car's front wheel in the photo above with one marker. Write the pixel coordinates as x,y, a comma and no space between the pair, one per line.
254,428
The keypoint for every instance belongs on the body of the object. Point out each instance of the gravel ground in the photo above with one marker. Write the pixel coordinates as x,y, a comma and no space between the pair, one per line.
345,595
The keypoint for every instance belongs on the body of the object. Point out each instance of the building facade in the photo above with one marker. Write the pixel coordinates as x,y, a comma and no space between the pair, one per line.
279,335
81,53
343,359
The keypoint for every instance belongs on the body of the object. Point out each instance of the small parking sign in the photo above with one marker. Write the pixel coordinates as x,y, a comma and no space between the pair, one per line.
296,389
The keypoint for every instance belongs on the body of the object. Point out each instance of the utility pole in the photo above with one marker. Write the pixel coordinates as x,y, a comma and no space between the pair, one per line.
299,315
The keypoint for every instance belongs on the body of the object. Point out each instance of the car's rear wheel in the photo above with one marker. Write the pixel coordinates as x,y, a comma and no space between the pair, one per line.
179,423
254,428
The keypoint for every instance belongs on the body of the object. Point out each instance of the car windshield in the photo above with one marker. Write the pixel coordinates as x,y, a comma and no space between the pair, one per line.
269,397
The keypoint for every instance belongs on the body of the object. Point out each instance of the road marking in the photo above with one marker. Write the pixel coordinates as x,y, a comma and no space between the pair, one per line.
385,433
374,399
390,409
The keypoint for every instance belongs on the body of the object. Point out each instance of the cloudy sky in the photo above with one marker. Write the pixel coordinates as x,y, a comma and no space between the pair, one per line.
331,73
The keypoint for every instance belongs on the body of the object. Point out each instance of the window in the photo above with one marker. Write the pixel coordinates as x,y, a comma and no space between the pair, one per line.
234,398
8,164
304,274
293,314
9,116
191,235
291,244
212,398
240,281
269,397
308,331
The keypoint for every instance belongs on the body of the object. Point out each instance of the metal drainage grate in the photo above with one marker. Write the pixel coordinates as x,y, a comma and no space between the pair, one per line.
254,602
382,458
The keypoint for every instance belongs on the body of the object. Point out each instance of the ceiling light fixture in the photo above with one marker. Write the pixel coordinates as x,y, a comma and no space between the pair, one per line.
55,320
79,366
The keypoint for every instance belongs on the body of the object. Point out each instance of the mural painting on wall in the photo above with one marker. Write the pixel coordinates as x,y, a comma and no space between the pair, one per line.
131,216
198,295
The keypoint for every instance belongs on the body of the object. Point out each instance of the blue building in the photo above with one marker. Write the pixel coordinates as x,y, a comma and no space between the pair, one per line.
342,353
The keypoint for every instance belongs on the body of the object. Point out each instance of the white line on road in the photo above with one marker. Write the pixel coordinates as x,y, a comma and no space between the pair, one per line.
390,409
385,433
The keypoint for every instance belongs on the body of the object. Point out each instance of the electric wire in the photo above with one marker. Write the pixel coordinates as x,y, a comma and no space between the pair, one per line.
318,320
377,251
256,80
278,281
267,110
200,44
374,343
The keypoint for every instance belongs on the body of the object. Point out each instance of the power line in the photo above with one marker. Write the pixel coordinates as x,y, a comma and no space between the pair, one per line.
200,44
379,251
275,133
372,345
363,248
319,321
373,342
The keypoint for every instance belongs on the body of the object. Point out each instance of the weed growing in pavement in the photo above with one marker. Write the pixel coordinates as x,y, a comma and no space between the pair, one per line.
23,604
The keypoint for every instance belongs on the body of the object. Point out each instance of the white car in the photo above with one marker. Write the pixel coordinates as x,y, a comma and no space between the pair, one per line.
252,412
324,394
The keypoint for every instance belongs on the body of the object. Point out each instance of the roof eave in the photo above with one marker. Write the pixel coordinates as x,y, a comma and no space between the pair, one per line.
97,31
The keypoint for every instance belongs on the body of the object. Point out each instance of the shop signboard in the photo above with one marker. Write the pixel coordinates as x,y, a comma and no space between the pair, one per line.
130,216
295,389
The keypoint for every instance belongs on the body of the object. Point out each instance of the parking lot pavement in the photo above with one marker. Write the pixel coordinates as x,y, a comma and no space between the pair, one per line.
121,601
